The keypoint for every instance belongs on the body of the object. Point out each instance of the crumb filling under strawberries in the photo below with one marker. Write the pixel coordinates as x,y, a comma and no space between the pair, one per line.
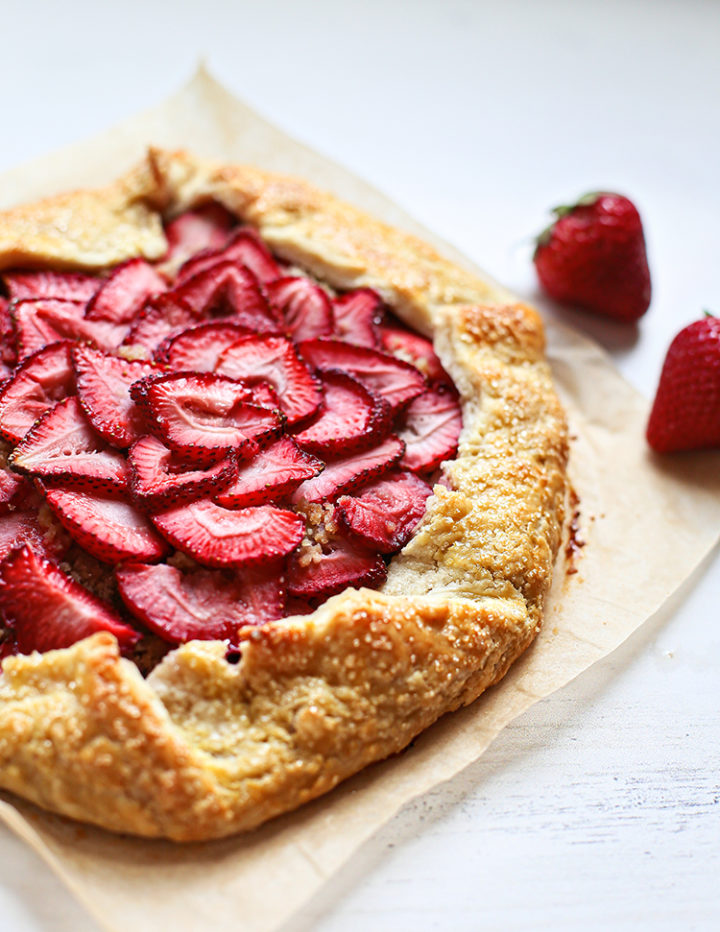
207,442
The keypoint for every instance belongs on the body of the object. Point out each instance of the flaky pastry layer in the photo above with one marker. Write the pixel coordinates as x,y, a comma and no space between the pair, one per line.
203,748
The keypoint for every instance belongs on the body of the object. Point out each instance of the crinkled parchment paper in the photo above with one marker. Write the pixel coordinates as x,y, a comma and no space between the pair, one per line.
646,525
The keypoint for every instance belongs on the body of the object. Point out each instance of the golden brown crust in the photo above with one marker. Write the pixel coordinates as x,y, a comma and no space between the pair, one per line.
85,229
203,748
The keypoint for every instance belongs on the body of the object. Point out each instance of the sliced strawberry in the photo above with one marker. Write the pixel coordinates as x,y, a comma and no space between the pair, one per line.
160,480
162,318
18,528
41,321
229,291
216,536
357,317
305,307
264,394
208,605
352,418
122,295
273,359
33,331
8,356
103,385
48,610
412,348
47,284
243,248
351,472
271,474
203,416
107,527
63,447
396,381
206,227
316,572
38,384
430,427
199,348
386,513
12,488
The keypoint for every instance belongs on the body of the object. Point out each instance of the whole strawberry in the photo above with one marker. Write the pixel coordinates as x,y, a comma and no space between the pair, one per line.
686,411
593,256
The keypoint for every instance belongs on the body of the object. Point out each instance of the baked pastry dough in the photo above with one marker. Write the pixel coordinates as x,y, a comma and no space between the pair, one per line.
203,748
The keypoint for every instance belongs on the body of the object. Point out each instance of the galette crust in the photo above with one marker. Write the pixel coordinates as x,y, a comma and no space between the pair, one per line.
203,748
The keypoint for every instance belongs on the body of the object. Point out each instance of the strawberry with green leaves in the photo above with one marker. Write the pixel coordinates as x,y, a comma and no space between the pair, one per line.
593,256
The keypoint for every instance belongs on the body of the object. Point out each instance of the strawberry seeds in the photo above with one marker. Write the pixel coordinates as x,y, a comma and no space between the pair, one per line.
234,440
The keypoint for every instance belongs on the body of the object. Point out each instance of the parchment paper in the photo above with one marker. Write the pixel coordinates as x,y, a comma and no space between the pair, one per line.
647,523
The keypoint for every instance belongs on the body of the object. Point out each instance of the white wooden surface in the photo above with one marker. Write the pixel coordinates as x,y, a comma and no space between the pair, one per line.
599,808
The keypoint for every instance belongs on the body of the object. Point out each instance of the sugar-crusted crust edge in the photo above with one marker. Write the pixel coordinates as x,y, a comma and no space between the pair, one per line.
203,748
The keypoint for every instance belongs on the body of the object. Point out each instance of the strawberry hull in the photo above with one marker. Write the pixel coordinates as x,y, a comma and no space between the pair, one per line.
594,257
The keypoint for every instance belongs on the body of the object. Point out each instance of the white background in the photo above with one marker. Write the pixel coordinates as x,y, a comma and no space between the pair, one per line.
599,808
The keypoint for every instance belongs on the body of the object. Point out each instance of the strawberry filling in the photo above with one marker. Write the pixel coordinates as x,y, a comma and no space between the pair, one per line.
238,441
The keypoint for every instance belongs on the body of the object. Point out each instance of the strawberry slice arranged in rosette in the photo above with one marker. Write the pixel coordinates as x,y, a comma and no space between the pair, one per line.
161,318
358,315
386,513
217,536
350,472
121,297
243,248
206,227
274,359
412,348
202,417
305,307
38,384
12,489
198,349
396,381
45,609
226,290
318,571
40,321
108,527
160,479
103,386
352,418
430,429
270,475
62,447
202,604
73,286
23,527
238,441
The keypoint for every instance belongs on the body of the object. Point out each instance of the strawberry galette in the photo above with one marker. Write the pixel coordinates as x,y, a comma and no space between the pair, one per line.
280,486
